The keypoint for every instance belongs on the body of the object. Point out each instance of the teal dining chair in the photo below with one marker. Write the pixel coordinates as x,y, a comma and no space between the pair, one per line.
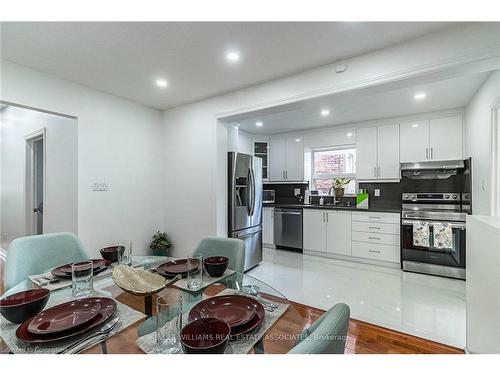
231,248
36,254
328,334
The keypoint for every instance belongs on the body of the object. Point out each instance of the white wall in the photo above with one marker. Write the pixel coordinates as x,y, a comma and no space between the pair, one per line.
478,142
192,135
61,190
119,142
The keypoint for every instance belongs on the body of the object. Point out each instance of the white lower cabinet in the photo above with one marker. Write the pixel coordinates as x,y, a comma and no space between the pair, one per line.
376,235
370,235
268,226
314,230
327,231
338,232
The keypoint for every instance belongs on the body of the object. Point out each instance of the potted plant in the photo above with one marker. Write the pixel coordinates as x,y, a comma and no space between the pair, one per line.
338,185
160,244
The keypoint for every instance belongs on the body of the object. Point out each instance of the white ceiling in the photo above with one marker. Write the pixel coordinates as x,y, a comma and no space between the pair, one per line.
125,58
363,105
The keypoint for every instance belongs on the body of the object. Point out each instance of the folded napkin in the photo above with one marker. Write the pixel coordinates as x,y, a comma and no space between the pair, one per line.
48,281
421,234
443,236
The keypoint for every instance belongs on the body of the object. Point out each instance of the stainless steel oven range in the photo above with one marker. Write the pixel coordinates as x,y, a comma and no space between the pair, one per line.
433,234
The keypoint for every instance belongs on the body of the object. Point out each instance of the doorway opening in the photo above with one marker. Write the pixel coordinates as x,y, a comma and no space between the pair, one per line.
35,182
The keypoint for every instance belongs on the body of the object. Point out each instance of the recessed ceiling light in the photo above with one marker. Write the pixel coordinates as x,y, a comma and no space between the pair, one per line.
297,139
325,112
349,134
420,96
414,126
233,56
162,83
259,124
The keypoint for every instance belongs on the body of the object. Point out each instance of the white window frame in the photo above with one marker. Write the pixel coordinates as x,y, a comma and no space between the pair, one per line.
331,176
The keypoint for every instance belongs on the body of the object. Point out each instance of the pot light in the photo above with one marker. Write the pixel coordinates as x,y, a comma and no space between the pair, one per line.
259,124
349,134
297,139
420,96
161,83
232,56
325,112
414,126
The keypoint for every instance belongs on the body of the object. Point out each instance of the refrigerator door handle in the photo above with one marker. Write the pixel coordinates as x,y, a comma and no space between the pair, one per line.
249,192
252,176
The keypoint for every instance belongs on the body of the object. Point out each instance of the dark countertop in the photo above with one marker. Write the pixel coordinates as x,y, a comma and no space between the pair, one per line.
331,207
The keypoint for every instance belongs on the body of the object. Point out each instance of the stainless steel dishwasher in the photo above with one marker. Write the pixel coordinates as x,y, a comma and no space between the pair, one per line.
288,228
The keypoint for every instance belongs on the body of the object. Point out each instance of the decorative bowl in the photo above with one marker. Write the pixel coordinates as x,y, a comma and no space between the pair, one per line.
21,306
139,282
111,253
216,265
205,336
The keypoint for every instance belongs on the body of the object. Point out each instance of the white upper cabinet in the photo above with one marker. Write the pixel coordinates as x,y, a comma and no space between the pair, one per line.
388,152
414,141
277,159
446,138
377,154
366,154
294,159
287,159
437,139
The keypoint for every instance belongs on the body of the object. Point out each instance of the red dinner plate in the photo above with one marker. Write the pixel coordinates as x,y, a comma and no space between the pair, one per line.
65,270
175,267
233,309
108,307
63,317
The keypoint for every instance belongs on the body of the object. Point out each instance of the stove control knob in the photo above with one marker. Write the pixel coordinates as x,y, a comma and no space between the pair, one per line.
413,197
406,197
454,196
447,196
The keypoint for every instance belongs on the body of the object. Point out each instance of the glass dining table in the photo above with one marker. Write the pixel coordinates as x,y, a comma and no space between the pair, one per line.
279,337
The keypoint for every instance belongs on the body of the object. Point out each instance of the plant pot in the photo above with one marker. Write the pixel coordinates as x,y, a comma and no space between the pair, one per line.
161,252
339,192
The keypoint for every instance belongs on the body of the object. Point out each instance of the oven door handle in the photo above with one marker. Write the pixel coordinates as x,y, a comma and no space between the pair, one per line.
453,225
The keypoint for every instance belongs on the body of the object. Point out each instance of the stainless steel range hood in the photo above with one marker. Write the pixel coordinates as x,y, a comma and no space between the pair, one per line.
439,165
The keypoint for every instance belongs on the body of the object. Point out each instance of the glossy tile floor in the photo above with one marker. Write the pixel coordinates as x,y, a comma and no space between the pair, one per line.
426,306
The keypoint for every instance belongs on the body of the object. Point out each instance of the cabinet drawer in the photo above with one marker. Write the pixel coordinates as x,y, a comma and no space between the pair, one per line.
387,253
376,238
376,217
364,226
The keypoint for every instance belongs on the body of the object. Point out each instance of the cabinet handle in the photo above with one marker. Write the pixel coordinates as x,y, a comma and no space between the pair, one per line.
286,175
432,153
327,217
374,238
374,217
324,218
374,251
374,228
375,171
427,153
378,171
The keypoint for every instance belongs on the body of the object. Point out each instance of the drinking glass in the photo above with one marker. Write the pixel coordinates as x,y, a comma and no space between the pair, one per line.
195,272
82,278
125,257
168,322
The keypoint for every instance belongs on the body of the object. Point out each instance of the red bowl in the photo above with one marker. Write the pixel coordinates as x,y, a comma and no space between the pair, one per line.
111,253
21,306
216,265
205,336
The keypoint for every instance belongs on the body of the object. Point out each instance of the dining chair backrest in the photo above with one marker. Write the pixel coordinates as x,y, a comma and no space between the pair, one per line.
36,254
231,248
328,335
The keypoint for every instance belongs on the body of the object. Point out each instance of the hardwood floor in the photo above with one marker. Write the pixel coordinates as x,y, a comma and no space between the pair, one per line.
365,338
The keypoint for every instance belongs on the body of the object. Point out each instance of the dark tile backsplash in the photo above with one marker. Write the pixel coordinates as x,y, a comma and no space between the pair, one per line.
284,192
390,194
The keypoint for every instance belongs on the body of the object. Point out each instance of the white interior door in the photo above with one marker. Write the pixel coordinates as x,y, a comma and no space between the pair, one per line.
277,159
294,159
366,153
388,152
446,138
414,141
35,182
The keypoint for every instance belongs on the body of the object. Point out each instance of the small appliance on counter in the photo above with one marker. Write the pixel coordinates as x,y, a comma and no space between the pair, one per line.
362,199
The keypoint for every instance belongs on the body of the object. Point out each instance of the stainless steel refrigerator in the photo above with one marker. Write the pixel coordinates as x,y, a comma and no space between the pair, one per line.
245,204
